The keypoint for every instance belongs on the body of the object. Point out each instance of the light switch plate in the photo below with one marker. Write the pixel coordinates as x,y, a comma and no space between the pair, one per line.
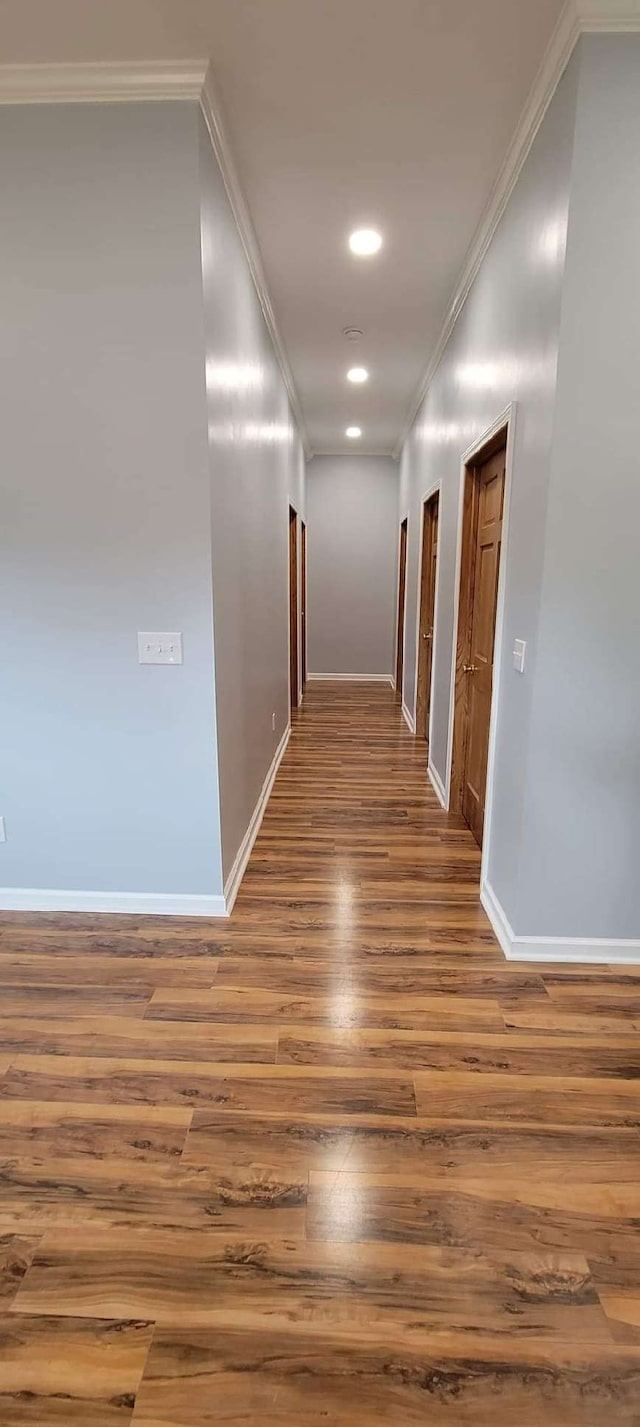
159,648
519,649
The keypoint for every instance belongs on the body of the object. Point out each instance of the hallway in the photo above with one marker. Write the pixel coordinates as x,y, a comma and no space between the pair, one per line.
333,1161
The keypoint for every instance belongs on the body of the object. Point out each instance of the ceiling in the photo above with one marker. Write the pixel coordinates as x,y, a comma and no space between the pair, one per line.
341,113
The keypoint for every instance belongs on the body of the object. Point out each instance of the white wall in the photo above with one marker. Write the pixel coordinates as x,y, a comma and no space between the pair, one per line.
352,535
256,466
108,776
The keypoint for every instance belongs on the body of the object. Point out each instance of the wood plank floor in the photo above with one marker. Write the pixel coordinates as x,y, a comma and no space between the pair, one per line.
333,1162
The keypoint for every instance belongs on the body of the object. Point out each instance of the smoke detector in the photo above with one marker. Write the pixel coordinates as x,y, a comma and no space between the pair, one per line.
352,334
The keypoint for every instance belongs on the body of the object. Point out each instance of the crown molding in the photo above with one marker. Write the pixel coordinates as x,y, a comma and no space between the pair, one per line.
214,121
191,79
100,83
620,17
386,455
577,17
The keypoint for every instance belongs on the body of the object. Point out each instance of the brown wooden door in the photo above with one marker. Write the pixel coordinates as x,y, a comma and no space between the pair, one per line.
303,598
293,607
479,669
402,594
427,614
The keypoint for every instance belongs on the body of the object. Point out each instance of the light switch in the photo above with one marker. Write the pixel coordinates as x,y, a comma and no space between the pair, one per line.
519,648
159,648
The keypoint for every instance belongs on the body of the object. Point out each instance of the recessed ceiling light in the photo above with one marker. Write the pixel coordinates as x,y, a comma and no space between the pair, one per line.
357,375
365,242
353,432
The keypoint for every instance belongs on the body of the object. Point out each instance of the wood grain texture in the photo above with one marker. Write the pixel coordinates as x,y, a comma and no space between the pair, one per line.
331,1162
63,1372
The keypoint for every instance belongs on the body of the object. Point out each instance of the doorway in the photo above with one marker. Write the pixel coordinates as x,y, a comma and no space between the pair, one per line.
483,510
402,596
426,624
303,598
293,607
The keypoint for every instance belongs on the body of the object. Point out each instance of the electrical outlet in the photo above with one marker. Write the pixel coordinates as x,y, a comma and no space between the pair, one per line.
273,723
159,648
3,831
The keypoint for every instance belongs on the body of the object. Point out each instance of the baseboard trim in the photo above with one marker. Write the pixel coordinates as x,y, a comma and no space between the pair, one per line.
408,718
498,918
232,884
574,950
437,785
354,678
147,904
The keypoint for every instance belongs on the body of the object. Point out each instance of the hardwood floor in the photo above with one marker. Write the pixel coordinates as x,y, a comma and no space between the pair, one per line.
332,1162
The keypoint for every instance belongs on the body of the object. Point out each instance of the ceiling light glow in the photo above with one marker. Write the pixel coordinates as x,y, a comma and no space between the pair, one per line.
357,375
353,432
364,242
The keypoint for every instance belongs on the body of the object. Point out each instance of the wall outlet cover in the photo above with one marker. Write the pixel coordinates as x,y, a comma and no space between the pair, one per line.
159,648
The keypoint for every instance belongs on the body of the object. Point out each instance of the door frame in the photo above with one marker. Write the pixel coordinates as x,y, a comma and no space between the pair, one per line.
401,633
303,600
503,425
293,580
434,489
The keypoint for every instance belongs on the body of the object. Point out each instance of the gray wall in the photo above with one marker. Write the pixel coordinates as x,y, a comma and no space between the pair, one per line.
149,461
108,767
504,348
582,823
256,467
352,504
553,323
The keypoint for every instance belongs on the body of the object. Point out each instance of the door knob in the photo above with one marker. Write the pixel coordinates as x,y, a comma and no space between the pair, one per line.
469,668
429,635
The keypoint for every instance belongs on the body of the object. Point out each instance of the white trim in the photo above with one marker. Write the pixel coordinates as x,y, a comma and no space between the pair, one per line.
347,450
232,884
132,82
212,112
154,904
575,950
100,83
437,785
498,917
433,489
608,16
591,16
408,718
354,678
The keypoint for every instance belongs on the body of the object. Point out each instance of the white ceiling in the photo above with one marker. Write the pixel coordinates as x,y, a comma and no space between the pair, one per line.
341,113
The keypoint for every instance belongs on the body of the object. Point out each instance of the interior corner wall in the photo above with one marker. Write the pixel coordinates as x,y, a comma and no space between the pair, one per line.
503,349
582,824
109,779
256,470
352,504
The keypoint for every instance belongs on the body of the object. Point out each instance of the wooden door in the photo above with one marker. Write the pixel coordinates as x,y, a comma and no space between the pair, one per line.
427,613
402,594
478,670
303,598
293,607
